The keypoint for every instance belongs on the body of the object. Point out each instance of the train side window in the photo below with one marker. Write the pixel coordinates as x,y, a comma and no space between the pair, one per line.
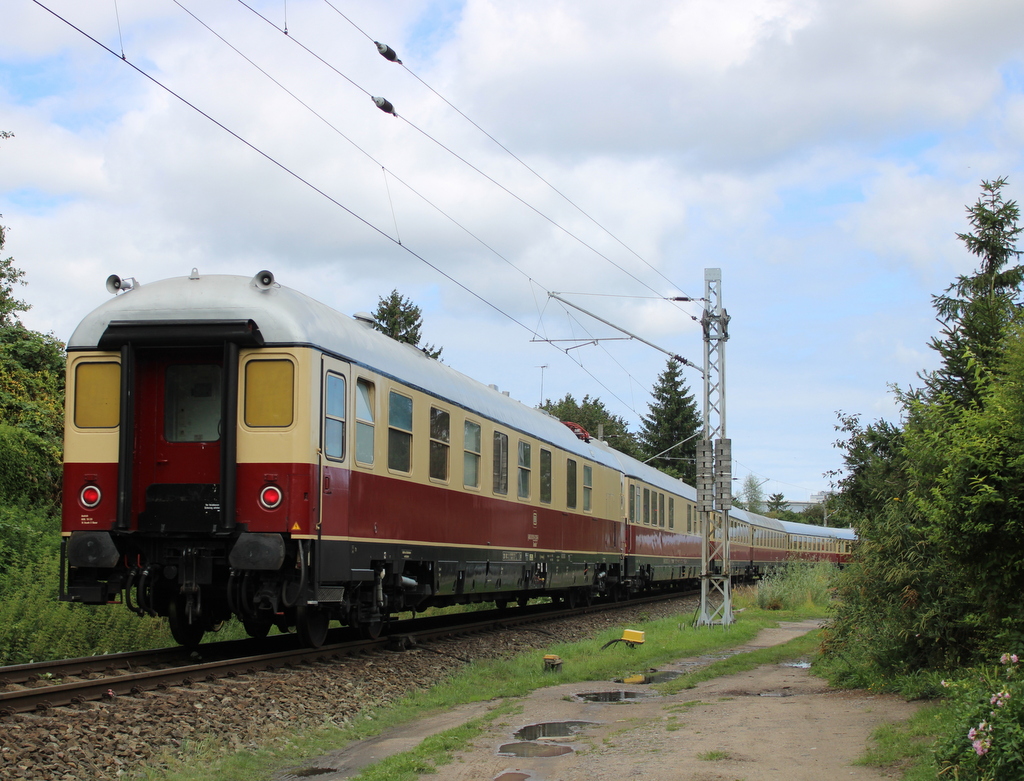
269,395
632,503
661,510
97,395
334,417
654,508
500,463
471,455
570,483
588,488
399,432
545,476
647,506
192,402
440,435
671,512
364,421
525,468
689,517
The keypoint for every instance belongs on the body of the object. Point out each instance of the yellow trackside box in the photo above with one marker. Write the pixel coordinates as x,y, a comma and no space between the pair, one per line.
632,636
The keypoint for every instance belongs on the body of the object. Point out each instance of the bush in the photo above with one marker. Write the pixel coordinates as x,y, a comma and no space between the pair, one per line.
988,741
30,467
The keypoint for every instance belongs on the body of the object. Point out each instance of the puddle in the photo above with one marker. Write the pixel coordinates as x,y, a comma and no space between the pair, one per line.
776,694
619,695
513,776
552,729
800,665
655,676
312,771
527,749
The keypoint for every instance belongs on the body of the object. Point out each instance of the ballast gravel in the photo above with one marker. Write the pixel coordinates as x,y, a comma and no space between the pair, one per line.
118,737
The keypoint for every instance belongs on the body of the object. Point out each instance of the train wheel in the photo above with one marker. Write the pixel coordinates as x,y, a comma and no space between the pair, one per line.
371,630
257,627
183,632
523,601
501,604
311,624
570,599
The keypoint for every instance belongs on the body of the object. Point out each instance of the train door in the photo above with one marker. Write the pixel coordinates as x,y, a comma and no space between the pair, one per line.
176,474
334,456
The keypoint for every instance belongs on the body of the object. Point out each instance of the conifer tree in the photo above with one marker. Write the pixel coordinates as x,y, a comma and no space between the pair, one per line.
976,311
592,414
399,318
672,418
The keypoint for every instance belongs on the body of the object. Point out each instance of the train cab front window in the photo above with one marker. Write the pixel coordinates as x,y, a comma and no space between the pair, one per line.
269,393
97,401
192,403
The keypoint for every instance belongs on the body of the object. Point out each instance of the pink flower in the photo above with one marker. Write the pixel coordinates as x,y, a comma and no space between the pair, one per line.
981,747
972,733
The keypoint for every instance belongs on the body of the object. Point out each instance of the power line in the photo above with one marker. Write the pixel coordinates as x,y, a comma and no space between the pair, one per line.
389,54
284,168
387,107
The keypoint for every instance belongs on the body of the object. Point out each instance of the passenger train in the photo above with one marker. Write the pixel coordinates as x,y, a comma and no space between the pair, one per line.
236,448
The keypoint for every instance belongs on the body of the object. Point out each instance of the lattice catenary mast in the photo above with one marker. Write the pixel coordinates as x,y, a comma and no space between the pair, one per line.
714,463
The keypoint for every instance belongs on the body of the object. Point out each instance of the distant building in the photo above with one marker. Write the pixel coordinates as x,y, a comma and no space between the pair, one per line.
815,499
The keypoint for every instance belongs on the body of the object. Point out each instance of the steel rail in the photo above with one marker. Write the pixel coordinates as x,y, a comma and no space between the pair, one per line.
117,682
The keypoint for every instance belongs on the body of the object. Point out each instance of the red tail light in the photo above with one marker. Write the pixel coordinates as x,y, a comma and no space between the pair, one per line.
271,496
90,496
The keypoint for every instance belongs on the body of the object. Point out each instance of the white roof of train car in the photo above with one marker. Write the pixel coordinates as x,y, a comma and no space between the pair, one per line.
287,317
811,530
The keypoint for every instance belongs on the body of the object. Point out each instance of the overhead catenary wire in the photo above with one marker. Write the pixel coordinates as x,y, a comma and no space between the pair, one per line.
385,105
282,167
318,190
388,107
391,55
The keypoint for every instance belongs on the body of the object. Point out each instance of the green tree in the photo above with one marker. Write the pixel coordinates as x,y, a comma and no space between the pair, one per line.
592,414
751,496
668,433
776,503
399,318
31,385
939,502
975,311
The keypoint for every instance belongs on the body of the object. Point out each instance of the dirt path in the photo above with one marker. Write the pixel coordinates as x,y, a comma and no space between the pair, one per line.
775,722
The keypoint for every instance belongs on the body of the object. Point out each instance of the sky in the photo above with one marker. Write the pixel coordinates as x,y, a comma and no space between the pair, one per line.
821,154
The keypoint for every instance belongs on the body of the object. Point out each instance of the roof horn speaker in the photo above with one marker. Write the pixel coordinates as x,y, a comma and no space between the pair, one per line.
263,280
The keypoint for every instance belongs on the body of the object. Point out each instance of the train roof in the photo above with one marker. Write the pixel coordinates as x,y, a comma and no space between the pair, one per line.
285,317
811,530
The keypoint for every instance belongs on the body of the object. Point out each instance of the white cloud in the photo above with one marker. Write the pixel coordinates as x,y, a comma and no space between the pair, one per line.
820,153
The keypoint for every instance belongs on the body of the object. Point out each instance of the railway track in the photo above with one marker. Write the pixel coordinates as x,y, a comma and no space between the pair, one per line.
45,685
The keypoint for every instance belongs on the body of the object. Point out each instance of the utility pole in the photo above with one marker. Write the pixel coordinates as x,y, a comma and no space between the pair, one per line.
714,464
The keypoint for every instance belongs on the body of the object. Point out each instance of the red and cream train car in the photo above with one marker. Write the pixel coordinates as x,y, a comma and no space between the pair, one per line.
233,447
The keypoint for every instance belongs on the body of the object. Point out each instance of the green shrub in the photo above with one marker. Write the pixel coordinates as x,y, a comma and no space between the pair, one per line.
30,467
987,743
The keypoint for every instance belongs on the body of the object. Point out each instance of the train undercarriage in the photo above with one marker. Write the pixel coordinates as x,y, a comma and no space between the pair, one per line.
301,585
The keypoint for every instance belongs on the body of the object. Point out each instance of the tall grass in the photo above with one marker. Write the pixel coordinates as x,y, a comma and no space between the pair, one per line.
798,585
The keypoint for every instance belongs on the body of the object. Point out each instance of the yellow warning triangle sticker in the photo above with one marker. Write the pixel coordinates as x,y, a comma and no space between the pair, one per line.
296,527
